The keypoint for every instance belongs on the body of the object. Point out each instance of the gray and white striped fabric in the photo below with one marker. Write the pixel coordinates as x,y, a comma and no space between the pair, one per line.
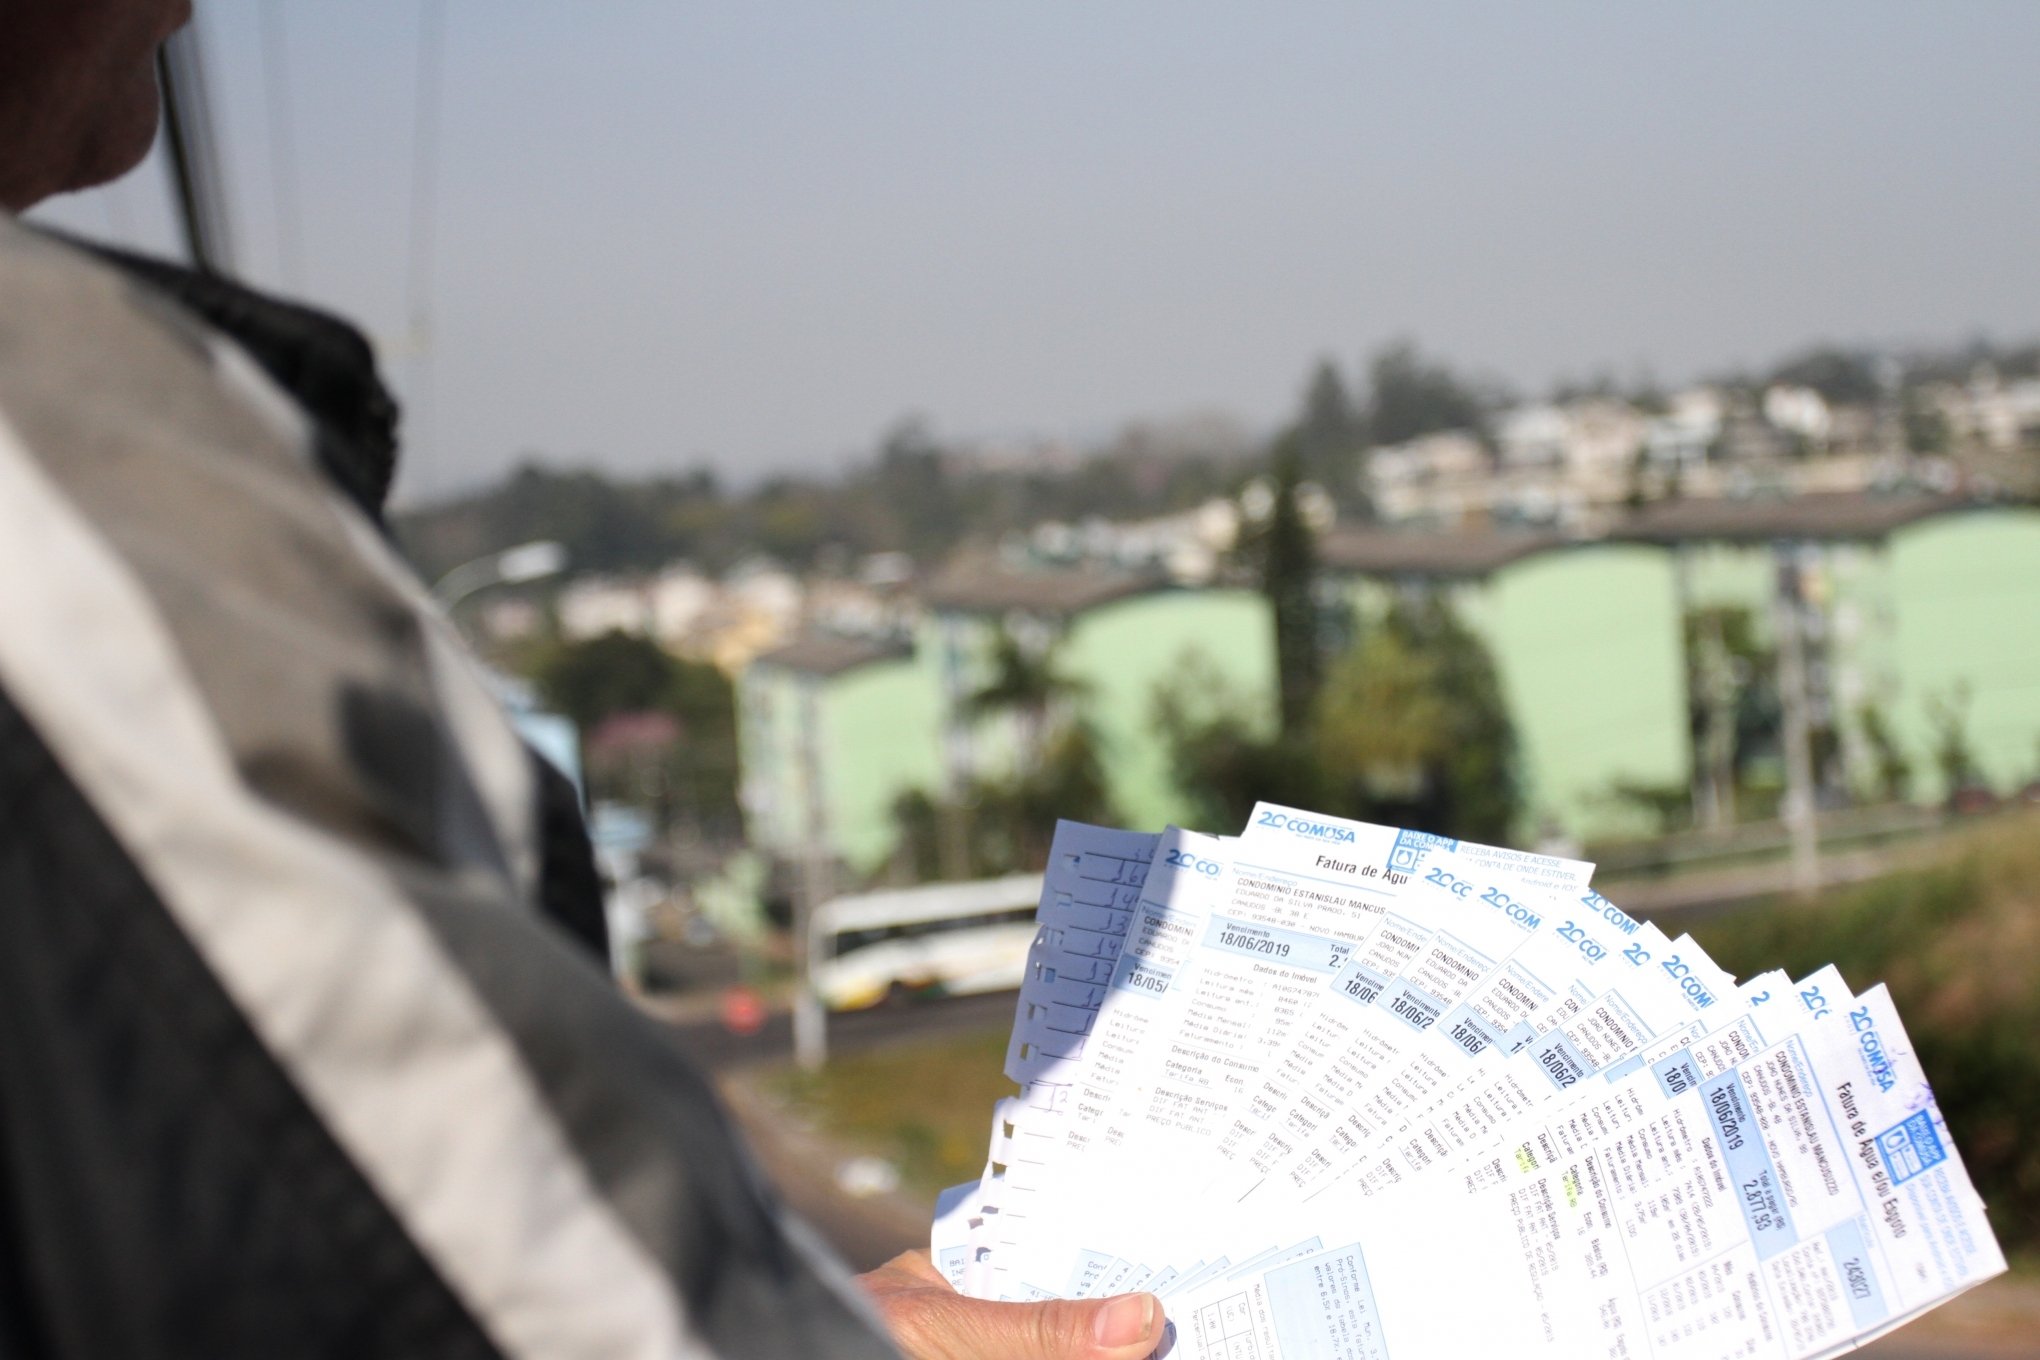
289,1062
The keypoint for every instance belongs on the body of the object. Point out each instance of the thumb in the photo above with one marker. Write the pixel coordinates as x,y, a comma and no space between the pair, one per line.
1127,1327
937,1326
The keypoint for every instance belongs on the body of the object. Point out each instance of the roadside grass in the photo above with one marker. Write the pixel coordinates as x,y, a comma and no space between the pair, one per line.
925,1106
1958,943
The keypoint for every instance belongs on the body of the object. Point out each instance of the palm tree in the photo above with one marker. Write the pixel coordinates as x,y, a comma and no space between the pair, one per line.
1026,684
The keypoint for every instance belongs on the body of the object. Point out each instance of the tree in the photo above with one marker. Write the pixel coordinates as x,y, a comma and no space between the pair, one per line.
1288,561
1715,675
1410,396
706,770
911,486
1331,438
1225,753
1026,685
1067,781
1003,825
1926,427
1954,756
1844,377
618,673
1412,728
1893,771
614,673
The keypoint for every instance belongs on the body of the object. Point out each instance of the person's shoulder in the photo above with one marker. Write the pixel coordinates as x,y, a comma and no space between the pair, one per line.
86,350
55,291
26,249
151,339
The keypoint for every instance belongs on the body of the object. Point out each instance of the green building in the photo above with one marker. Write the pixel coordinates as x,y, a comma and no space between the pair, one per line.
1114,639
833,731
830,732
1914,617
1914,613
1585,638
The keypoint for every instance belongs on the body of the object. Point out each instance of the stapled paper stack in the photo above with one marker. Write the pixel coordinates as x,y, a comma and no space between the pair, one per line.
1338,1090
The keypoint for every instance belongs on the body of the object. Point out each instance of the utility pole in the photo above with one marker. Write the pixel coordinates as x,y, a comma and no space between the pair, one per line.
1711,685
810,1023
1799,811
952,827
1718,684
193,150
1289,580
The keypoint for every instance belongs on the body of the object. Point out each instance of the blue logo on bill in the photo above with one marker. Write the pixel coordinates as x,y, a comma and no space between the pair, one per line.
1411,847
1911,1147
1317,831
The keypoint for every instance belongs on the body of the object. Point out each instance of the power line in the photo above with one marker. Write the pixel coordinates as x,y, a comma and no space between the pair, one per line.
193,149
425,164
282,149
424,203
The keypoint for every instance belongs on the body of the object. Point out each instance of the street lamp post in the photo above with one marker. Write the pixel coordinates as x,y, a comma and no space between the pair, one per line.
1801,809
513,566
810,1018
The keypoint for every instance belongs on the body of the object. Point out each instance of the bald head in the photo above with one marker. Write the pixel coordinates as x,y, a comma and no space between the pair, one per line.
78,99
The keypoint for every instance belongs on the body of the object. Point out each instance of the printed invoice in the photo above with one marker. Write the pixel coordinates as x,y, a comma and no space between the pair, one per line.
1308,1082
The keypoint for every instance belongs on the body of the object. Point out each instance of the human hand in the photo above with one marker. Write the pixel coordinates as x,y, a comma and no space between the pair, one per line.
930,1321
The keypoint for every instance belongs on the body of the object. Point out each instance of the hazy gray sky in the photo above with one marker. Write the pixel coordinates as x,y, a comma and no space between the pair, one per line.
755,234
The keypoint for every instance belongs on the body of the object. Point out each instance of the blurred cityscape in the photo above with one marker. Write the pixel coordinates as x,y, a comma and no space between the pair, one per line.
1671,622
1749,645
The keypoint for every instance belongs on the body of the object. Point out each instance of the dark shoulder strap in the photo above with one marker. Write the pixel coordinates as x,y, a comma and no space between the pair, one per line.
323,362
569,887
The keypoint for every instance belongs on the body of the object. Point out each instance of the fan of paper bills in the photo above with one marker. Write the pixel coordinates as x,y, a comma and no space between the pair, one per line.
1338,1090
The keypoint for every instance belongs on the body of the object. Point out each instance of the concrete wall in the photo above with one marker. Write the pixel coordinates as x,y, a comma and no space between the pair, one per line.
1965,595
1587,646
772,784
1945,604
1587,641
880,744
1124,653
875,734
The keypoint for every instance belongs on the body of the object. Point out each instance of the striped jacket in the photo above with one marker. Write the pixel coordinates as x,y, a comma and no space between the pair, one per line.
292,1061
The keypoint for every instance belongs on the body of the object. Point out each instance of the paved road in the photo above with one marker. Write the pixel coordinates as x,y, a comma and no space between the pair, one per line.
705,1039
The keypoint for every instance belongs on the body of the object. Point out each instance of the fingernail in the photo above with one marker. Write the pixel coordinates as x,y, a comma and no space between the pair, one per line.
1124,1321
